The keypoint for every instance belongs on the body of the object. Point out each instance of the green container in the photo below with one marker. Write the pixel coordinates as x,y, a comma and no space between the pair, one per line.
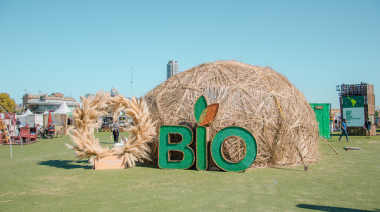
322,114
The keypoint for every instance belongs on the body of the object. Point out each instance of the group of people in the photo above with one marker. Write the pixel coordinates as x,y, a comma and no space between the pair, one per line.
39,130
44,132
366,126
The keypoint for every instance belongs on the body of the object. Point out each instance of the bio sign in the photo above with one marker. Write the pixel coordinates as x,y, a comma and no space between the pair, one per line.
204,115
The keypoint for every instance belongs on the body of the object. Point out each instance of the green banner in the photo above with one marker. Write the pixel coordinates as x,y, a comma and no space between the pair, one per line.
353,101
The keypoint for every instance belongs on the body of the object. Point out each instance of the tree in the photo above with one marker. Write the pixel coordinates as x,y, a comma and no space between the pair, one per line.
7,103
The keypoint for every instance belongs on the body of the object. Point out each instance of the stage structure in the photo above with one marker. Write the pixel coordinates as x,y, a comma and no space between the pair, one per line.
357,102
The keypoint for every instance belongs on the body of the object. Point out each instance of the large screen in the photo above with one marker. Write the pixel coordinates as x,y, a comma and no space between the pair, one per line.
353,110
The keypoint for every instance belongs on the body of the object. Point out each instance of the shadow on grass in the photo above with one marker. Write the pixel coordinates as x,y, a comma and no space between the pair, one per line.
332,135
330,208
288,169
147,165
107,143
66,164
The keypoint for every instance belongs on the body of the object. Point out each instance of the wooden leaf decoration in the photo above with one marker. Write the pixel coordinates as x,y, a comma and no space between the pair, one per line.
209,114
203,115
199,107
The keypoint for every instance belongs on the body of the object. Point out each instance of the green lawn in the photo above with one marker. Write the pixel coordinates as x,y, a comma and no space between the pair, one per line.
42,177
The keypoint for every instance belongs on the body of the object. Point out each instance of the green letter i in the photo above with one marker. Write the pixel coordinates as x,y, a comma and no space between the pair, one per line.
201,148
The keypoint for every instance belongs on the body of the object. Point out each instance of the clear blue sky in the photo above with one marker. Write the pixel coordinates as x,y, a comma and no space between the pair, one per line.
92,45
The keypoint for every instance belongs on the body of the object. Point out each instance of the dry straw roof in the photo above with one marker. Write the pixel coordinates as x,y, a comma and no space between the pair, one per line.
255,98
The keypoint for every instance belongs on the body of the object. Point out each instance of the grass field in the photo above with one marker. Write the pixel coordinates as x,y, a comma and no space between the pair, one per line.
42,177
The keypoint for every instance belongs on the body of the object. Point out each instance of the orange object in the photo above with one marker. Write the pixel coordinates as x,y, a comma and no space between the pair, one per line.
110,162
24,132
209,114
50,122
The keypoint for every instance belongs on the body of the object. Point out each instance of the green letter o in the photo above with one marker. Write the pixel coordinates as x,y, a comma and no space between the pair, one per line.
250,143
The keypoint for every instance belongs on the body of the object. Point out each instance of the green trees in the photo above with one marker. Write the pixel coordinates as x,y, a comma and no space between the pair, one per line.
7,103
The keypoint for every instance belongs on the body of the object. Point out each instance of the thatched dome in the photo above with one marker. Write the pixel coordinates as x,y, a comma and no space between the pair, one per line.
255,98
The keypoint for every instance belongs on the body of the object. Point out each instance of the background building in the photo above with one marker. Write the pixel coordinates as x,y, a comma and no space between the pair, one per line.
88,94
39,103
172,68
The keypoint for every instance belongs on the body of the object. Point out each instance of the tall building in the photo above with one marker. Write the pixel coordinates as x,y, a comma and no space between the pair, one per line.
172,68
113,92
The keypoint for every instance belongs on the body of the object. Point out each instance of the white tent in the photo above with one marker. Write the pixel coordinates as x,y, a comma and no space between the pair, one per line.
46,112
28,112
22,118
63,109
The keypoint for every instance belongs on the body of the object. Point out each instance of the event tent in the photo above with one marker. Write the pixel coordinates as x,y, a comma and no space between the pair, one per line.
28,112
57,117
63,109
22,118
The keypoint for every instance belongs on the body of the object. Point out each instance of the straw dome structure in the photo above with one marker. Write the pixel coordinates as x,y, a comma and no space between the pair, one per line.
255,98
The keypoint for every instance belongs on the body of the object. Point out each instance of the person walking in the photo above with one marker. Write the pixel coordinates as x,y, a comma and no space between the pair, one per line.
344,130
367,128
115,131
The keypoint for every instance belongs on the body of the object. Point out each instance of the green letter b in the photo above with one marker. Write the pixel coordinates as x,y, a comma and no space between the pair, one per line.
165,146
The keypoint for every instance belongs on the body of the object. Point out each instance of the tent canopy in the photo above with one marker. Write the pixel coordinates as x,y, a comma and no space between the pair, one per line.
22,118
28,112
63,109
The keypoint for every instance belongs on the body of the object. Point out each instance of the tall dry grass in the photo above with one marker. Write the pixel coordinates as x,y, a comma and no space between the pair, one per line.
255,98
142,131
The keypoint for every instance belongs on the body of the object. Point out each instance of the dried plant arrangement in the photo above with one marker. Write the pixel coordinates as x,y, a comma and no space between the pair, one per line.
142,130
255,98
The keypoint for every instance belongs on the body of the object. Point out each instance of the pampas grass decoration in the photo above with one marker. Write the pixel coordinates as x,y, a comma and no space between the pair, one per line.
141,132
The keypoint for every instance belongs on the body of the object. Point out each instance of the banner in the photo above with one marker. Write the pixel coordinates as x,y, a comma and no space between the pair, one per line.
353,101
354,116
353,110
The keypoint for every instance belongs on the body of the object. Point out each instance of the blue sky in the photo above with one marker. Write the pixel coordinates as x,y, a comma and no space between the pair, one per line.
79,47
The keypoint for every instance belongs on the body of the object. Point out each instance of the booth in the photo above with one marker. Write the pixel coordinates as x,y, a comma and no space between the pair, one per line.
322,115
8,126
59,119
22,118
28,125
28,134
34,119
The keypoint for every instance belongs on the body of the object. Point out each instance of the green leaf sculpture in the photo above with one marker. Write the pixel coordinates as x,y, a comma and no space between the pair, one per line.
205,114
